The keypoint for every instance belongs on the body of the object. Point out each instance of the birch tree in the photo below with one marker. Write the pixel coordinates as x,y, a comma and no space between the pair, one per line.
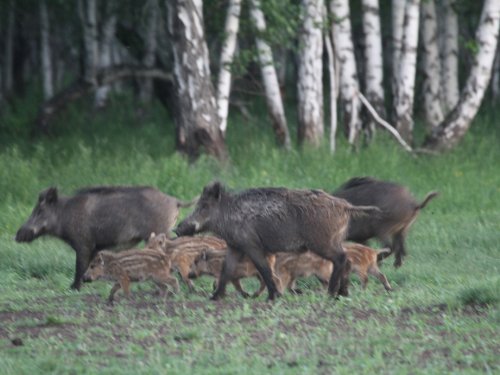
431,65
398,19
197,121
374,69
403,101
270,78
151,16
46,58
310,80
449,80
226,59
349,85
104,52
456,124
88,16
332,75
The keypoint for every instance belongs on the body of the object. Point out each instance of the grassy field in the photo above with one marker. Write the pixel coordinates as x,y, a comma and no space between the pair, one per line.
442,317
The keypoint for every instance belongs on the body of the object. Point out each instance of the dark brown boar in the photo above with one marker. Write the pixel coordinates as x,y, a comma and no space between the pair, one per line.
363,261
130,266
99,218
262,221
210,262
398,211
182,251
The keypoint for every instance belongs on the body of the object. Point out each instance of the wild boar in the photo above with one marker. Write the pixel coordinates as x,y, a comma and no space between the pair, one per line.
398,211
99,218
210,262
261,221
363,260
183,251
129,266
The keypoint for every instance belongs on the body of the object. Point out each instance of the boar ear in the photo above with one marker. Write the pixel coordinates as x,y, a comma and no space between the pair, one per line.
215,190
49,195
152,235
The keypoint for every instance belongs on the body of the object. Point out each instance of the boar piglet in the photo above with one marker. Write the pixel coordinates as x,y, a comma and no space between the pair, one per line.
362,260
398,211
262,221
210,262
98,218
131,265
182,251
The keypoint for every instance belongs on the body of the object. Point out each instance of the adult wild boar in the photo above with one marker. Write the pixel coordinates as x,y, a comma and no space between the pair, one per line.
260,221
102,217
398,211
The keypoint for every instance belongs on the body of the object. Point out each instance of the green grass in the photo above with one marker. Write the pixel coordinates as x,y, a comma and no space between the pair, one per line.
443,316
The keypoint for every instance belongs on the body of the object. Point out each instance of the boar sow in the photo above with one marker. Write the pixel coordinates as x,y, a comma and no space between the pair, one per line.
262,221
398,211
100,217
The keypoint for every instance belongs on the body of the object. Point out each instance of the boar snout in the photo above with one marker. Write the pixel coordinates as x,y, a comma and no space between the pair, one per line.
185,229
25,235
86,278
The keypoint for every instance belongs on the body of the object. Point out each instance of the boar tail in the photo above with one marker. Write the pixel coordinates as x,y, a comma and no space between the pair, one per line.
383,253
427,198
363,210
181,204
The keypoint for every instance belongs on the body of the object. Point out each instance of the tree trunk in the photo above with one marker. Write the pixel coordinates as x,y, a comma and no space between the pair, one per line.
270,78
197,122
48,86
332,75
88,16
9,50
374,69
495,81
226,59
456,124
449,80
107,35
431,65
310,77
349,85
398,19
152,11
403,101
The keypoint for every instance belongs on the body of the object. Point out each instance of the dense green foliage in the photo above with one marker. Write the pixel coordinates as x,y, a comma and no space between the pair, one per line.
442,317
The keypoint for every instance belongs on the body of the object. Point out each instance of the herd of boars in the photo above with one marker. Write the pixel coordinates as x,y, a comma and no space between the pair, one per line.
274,234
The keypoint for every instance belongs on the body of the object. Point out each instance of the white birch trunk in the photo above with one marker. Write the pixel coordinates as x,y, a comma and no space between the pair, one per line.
310,77
270,78
197,121
88,16
398,19
495,80
107,35
349,85
374,69
431,65
406,72
226,59
152,12
456,124
9,50
48,86
332,75
449,80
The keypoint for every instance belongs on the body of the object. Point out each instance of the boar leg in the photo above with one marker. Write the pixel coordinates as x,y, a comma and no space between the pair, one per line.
239,288
337,283
82,263
228,268
379,275
114,289
260,261
261,287
399,248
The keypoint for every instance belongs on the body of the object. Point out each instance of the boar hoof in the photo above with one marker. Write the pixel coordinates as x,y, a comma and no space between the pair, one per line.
245,295
296,291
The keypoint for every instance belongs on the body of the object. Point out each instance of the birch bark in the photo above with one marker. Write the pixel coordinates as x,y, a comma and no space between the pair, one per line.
374,73
88,16
270,78
431,65
449,81
406,72
226,59
310,78
456,124
197,121
398,19
349,85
